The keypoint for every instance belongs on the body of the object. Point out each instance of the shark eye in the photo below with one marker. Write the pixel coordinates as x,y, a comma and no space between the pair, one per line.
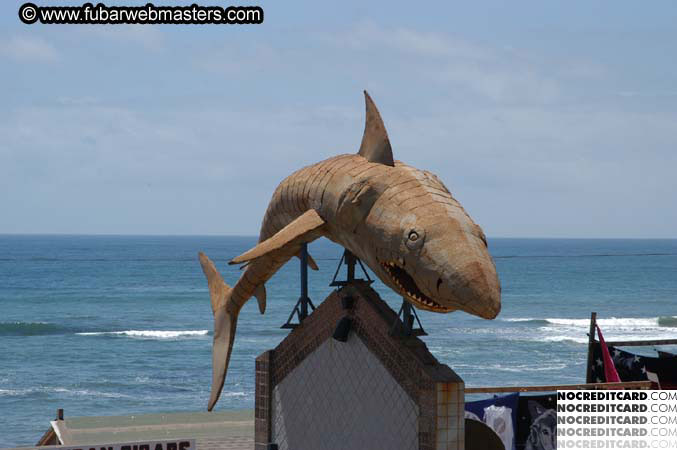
413,238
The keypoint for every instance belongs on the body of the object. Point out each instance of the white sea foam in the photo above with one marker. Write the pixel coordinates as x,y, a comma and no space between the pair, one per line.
61,391
519,368
556,329
609,335
150,334
89,393
564,338
235,394
609,322
14,392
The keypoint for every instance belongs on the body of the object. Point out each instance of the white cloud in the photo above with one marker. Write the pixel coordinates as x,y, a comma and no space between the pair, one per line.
501,84
649,94
525,140
29,49
392,55
194,170
367,35
210,162
495,74
149,37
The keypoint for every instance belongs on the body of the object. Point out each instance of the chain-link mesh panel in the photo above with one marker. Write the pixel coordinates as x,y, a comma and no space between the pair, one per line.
342,397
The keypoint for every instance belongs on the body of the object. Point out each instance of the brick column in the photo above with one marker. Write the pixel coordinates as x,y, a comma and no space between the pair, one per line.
450,429
263,399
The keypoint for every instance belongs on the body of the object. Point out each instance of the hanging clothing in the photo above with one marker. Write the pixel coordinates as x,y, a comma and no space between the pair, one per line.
499,413
536,422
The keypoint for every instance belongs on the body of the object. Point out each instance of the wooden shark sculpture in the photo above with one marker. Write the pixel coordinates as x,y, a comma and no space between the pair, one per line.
400,221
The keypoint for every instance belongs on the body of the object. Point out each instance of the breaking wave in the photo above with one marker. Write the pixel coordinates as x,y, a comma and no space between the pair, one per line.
46,328
527,320
667,321
520,368
60,391
663,321
149,334
614,328
577,340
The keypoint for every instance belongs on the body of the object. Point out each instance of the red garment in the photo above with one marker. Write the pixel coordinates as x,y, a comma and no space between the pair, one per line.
610,372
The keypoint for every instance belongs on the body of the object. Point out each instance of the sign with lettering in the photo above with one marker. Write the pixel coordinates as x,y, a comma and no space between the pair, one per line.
176,444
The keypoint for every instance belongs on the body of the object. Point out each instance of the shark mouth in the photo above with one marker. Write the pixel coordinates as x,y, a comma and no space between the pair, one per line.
409,289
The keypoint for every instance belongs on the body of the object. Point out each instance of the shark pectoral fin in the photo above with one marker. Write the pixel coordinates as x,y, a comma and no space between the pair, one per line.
260,294
307,227
224,332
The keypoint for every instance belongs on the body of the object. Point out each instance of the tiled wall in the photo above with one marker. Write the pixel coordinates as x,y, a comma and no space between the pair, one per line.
450,416
262,400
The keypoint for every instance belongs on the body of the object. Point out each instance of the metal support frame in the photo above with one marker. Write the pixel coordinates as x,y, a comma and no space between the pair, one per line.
350,261
301,307
404,322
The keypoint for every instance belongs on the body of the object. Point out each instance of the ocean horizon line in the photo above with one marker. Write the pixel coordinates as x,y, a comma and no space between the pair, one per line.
142,235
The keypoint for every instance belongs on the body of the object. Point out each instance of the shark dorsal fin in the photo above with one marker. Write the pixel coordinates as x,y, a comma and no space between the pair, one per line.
375,143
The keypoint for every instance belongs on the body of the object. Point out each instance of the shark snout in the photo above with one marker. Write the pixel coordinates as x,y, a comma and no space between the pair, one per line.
474,289
484,287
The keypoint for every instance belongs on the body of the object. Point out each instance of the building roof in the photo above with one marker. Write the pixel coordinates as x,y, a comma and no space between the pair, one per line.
222,430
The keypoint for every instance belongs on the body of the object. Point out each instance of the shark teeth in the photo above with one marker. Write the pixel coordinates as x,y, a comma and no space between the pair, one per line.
408,287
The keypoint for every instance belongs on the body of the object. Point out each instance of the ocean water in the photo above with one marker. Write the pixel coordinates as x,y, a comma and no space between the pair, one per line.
111,325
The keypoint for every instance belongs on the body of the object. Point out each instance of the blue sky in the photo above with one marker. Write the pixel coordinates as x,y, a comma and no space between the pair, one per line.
545,119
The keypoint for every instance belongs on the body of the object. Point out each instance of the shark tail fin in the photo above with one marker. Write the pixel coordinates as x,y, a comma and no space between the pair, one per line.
225,322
